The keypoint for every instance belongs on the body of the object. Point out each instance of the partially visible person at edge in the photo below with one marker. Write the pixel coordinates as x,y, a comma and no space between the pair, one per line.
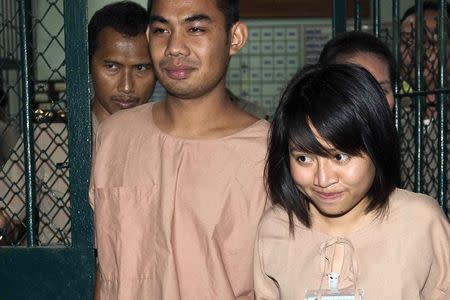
9,132
430,124
339,226
178,201
366,50
122,78
430,56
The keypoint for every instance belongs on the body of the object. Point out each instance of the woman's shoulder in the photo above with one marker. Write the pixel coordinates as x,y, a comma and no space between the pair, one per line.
274,220
416,207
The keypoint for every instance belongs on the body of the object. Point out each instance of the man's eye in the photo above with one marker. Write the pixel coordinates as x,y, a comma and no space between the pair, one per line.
111,67
158,30
196,29
142,67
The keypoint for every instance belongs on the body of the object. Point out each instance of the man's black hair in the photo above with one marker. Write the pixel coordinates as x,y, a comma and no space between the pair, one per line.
125,17
229,8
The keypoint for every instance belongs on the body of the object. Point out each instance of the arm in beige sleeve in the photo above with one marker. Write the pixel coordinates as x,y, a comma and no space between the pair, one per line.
92,178
265,287
438,283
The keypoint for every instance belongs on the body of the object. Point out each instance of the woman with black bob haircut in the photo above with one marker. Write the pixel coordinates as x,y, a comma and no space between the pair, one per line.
339,226
349,111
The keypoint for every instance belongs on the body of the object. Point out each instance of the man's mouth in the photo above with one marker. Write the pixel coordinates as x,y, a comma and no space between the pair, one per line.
126,102
178,72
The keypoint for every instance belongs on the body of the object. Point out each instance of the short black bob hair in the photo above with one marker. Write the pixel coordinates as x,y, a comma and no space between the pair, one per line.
125,17
353,42
229,8
347,107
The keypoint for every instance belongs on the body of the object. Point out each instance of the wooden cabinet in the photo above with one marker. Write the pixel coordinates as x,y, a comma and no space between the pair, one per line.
295,8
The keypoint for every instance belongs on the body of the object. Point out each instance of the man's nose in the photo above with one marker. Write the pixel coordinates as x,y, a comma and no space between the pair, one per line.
177,45
126,84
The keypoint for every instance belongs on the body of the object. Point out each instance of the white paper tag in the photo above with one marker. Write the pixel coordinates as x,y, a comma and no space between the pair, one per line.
344,294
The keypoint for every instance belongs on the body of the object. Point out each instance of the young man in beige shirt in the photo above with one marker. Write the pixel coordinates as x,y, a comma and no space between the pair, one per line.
177,203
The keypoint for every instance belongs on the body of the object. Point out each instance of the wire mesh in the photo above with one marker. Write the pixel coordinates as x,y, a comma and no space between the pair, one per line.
49,115
409,101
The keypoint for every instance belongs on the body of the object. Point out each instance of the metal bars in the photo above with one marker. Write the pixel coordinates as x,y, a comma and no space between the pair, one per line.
30,192
422,75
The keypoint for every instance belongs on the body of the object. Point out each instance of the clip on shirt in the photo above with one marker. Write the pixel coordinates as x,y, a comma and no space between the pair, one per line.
333,292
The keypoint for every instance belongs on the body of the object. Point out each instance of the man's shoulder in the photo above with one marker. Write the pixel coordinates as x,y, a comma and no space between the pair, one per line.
250,143
251,128
127,118
259,128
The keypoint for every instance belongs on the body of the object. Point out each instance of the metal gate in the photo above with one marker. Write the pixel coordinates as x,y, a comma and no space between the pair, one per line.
45,129
45,218
423,141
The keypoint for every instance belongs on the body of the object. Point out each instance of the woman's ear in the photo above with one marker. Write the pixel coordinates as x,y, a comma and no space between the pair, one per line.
239,34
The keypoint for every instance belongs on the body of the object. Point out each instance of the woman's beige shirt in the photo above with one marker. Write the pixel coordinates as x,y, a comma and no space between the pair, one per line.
405,255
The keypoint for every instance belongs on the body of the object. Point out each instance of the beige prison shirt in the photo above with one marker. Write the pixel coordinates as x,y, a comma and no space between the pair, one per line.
175,218
404,256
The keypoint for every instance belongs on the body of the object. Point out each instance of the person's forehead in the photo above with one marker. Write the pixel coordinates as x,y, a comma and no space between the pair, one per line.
430,15
372,62
109,35
184,8
186,2
112,42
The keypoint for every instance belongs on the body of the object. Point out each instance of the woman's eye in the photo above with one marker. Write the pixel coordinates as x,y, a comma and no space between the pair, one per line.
341,157
303,159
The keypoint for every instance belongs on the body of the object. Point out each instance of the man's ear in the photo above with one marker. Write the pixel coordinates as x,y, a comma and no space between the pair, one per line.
239,34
